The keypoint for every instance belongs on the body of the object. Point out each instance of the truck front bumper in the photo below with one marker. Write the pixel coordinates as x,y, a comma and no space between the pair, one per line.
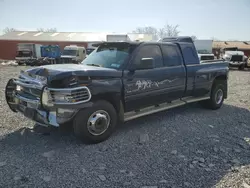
34,110
235,63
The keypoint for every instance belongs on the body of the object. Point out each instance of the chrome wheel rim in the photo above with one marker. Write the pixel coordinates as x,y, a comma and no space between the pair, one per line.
98,122
219,96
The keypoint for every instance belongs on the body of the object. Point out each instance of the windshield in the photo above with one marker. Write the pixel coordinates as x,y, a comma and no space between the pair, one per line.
24,54
109,55
89,50
69,52
230,49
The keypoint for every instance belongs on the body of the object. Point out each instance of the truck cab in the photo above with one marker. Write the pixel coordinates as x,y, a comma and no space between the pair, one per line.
73,54
28,53
118,82
234,56
204,49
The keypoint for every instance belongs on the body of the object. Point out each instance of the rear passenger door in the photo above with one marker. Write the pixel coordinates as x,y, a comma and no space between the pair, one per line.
174,71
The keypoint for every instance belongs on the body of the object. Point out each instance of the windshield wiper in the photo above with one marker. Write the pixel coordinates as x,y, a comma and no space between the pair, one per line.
96,65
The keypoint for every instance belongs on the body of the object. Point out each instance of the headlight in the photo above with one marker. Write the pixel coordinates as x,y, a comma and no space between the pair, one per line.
46,98
226,57
18,88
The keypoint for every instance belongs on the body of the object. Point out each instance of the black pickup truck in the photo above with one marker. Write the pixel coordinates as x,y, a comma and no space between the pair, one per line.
119,81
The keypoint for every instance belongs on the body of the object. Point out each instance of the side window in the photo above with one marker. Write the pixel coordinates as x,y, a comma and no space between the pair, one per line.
149,51
172,55
189,55
77,53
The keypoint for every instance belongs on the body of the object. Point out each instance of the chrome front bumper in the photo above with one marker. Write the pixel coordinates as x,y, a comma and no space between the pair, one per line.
28,107
33,109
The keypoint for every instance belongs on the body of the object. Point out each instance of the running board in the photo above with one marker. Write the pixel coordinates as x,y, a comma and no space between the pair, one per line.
161,107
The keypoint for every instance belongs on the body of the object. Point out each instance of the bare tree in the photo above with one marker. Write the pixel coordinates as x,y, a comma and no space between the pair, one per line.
171,30
147,30
8,30
47,30
166,31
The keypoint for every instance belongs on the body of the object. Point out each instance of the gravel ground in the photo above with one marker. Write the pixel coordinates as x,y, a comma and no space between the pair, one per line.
184,147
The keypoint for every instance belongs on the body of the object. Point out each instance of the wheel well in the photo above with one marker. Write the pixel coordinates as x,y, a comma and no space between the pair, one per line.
220,78
223,79
114,99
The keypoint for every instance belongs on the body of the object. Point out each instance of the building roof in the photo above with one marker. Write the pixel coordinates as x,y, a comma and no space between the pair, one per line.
66,36
244,45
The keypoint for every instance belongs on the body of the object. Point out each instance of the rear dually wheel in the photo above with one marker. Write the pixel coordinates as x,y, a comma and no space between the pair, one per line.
217,96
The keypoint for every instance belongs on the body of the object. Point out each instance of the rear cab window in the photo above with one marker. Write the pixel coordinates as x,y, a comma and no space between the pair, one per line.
189,54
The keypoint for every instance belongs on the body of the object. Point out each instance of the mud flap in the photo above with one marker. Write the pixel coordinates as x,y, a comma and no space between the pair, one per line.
10,95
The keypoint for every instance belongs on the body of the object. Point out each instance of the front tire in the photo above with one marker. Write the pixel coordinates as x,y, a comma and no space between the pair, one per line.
95,124
217,96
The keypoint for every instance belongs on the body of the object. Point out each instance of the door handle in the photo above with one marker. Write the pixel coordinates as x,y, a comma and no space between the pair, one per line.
130,79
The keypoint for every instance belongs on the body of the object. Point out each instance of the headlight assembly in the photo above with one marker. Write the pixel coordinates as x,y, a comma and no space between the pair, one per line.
65,96
46,98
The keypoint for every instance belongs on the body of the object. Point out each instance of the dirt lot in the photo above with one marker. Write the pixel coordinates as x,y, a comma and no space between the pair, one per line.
184,147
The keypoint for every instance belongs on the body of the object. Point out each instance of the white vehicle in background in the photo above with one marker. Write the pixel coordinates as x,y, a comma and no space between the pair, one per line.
204,49
235,57
247,61
73,54
117,38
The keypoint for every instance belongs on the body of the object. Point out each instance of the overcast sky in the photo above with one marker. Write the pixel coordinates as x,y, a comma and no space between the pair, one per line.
222,19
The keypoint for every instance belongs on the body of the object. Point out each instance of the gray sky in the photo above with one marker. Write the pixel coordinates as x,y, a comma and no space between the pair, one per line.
222,19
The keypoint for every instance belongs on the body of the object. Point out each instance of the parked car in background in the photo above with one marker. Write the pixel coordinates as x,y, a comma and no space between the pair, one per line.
248,62
118,82
73,54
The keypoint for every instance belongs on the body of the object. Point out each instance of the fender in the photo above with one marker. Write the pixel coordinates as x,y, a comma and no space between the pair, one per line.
109,90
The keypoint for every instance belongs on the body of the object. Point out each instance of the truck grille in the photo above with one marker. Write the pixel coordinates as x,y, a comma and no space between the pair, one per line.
236,58
70,95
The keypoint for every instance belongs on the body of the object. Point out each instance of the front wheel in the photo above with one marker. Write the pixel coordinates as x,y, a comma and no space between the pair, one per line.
95,124
217,96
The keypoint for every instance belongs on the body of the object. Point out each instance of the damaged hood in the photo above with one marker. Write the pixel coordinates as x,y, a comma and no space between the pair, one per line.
62,72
